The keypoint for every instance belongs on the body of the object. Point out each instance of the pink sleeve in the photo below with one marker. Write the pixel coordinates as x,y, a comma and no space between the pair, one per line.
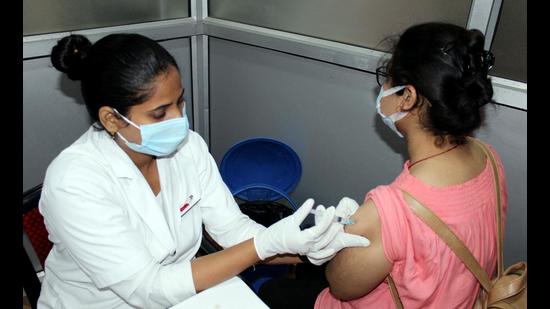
393,221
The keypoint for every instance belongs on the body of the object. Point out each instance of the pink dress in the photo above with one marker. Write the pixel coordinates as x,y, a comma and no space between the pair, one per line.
426,272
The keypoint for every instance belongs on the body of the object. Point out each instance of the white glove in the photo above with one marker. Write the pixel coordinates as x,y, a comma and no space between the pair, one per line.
285,235
321,253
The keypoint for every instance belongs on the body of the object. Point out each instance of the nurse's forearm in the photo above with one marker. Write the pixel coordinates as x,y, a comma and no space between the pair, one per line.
217,267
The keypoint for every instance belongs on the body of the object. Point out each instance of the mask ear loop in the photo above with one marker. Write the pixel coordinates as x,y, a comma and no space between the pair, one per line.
126,119
113,135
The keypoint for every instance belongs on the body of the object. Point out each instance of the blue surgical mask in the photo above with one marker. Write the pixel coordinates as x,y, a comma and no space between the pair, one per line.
391,119
159,139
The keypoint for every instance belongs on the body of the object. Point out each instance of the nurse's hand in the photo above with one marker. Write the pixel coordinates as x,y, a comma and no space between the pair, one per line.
285,235
321,253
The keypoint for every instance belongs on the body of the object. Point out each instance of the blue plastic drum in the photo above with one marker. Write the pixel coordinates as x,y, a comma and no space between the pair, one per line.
261,169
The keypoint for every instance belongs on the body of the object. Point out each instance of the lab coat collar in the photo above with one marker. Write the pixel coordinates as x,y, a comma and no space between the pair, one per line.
141,200
120,162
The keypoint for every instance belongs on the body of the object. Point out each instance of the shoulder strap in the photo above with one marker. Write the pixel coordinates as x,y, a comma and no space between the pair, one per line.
394,293
458,247
489,154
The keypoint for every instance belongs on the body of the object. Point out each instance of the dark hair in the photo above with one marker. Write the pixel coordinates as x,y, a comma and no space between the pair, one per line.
117,71
448,67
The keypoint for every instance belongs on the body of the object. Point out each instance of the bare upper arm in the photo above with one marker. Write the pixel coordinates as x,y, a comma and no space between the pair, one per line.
354,272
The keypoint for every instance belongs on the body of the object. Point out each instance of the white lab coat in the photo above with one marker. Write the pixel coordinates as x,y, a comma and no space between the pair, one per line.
115,245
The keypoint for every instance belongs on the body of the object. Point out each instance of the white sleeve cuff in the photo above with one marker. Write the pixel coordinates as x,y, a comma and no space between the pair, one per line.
176,282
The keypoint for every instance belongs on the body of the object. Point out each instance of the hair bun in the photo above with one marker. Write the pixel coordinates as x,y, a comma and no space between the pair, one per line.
69,53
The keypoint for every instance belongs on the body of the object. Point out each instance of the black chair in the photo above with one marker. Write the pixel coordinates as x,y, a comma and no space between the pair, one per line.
35,230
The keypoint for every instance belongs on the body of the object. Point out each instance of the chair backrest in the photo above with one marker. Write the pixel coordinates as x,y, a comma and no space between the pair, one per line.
35,231
33,224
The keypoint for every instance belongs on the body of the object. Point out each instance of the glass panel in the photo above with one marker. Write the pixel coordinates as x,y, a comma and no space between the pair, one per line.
66,15
510,41
358,22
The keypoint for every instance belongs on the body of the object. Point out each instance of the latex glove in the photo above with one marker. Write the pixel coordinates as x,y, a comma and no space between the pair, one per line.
285,235
346,207
322,253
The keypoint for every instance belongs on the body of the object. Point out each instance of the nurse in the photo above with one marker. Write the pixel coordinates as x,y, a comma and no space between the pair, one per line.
125,204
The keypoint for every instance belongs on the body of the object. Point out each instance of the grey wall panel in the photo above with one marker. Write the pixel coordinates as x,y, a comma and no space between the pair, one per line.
322,111
66,15
54,114
326,113
53,117
364,23
181,50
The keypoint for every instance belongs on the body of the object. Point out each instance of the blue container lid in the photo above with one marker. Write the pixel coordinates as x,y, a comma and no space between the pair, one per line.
261,161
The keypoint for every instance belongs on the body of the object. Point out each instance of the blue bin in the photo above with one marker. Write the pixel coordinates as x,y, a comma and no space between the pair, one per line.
261,169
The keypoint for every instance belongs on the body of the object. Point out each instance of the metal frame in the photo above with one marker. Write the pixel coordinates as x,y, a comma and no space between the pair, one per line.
492,24
200,69
510,93
301,45
483,16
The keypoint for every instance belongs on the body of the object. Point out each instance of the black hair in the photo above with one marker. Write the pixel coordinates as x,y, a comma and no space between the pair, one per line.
116,71
448,67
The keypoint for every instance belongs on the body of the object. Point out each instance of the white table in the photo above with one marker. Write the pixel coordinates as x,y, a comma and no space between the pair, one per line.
230,294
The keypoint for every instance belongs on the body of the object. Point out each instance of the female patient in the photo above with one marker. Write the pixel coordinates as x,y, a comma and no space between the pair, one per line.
432,93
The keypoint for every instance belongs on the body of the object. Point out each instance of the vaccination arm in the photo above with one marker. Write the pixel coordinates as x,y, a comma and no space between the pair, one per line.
354,272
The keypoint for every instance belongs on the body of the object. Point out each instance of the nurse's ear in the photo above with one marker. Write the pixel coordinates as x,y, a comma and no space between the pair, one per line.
109,119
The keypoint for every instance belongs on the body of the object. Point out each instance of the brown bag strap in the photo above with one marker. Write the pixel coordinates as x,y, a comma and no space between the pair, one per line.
443,231
394,293
496,182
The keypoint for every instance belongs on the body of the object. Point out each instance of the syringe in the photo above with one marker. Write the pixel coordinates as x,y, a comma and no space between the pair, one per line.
344,221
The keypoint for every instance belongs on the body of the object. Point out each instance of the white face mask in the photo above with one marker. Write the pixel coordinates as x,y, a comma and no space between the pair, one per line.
391,119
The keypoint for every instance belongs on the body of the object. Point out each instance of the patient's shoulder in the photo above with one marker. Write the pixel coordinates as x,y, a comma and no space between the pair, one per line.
366,221
356,271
